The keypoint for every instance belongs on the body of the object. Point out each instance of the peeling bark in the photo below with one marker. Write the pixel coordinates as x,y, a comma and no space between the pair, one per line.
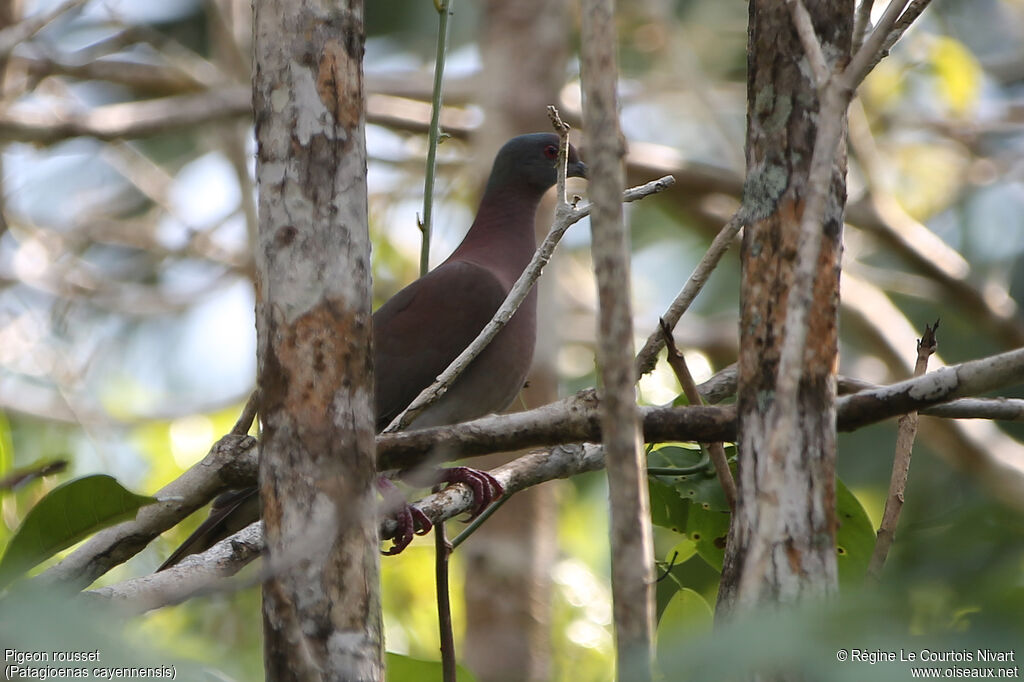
321,603
781,547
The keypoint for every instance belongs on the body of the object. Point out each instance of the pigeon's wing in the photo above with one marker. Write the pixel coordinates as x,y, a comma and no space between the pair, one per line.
230,512
425,326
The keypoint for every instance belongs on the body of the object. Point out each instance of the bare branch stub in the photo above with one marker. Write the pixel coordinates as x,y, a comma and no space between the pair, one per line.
561,127
716,451
905,436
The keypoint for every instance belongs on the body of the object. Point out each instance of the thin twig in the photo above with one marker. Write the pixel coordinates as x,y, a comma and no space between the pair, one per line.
901,26
15,34
809,39
715,450
433,135
861,23
648,355
248,415
562,128
871,51
907,431
479,520
442,551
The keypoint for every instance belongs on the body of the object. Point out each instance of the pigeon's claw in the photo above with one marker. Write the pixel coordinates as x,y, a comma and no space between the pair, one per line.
411,521
486,488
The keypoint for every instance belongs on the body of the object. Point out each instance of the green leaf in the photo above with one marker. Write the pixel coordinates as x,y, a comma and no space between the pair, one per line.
69,513
855,538
686,616
669,577
402,668
667,509
700,487
681,552
708,529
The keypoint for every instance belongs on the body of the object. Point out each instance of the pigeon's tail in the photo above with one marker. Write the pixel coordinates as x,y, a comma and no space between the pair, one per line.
230,513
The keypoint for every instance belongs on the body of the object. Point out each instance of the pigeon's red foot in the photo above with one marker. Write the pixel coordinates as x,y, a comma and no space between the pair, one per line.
411,521
486,488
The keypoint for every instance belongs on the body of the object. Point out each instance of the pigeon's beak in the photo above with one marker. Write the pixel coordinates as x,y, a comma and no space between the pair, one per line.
576,169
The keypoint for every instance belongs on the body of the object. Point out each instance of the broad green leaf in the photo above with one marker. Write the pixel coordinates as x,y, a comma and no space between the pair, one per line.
686,616
708,530
668,510
855,538
669,579
681,552
69,513
700,487
407,669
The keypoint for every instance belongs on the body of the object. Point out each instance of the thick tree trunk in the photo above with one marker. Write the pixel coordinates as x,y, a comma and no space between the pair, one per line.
781,547
321,604
509,560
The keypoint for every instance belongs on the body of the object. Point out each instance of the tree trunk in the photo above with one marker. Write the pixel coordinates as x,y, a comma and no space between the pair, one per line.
321,603
509,560
632,545
781,547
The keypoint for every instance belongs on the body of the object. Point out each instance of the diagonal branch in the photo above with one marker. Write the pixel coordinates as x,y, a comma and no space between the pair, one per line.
648,355
874,47
862,23
18,33
809,39
907,431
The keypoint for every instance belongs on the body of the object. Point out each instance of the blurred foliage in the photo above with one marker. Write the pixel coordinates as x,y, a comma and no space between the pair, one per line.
67,514
126,329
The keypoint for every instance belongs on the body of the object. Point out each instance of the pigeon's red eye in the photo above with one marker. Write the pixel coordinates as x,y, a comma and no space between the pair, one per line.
551,151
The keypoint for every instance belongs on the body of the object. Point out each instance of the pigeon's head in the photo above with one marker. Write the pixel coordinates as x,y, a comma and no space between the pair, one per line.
528,162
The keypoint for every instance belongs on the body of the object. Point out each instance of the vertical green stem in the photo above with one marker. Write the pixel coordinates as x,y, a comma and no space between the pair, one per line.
441,547
444,10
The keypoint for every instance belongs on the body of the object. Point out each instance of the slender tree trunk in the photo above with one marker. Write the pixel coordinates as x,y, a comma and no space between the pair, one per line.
321,603
781,547
509,560
632,548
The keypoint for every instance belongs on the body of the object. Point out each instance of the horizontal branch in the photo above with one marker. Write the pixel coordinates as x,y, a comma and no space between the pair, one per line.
232,461
942,385
127,119
158,79
199,574
570,420
993,409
